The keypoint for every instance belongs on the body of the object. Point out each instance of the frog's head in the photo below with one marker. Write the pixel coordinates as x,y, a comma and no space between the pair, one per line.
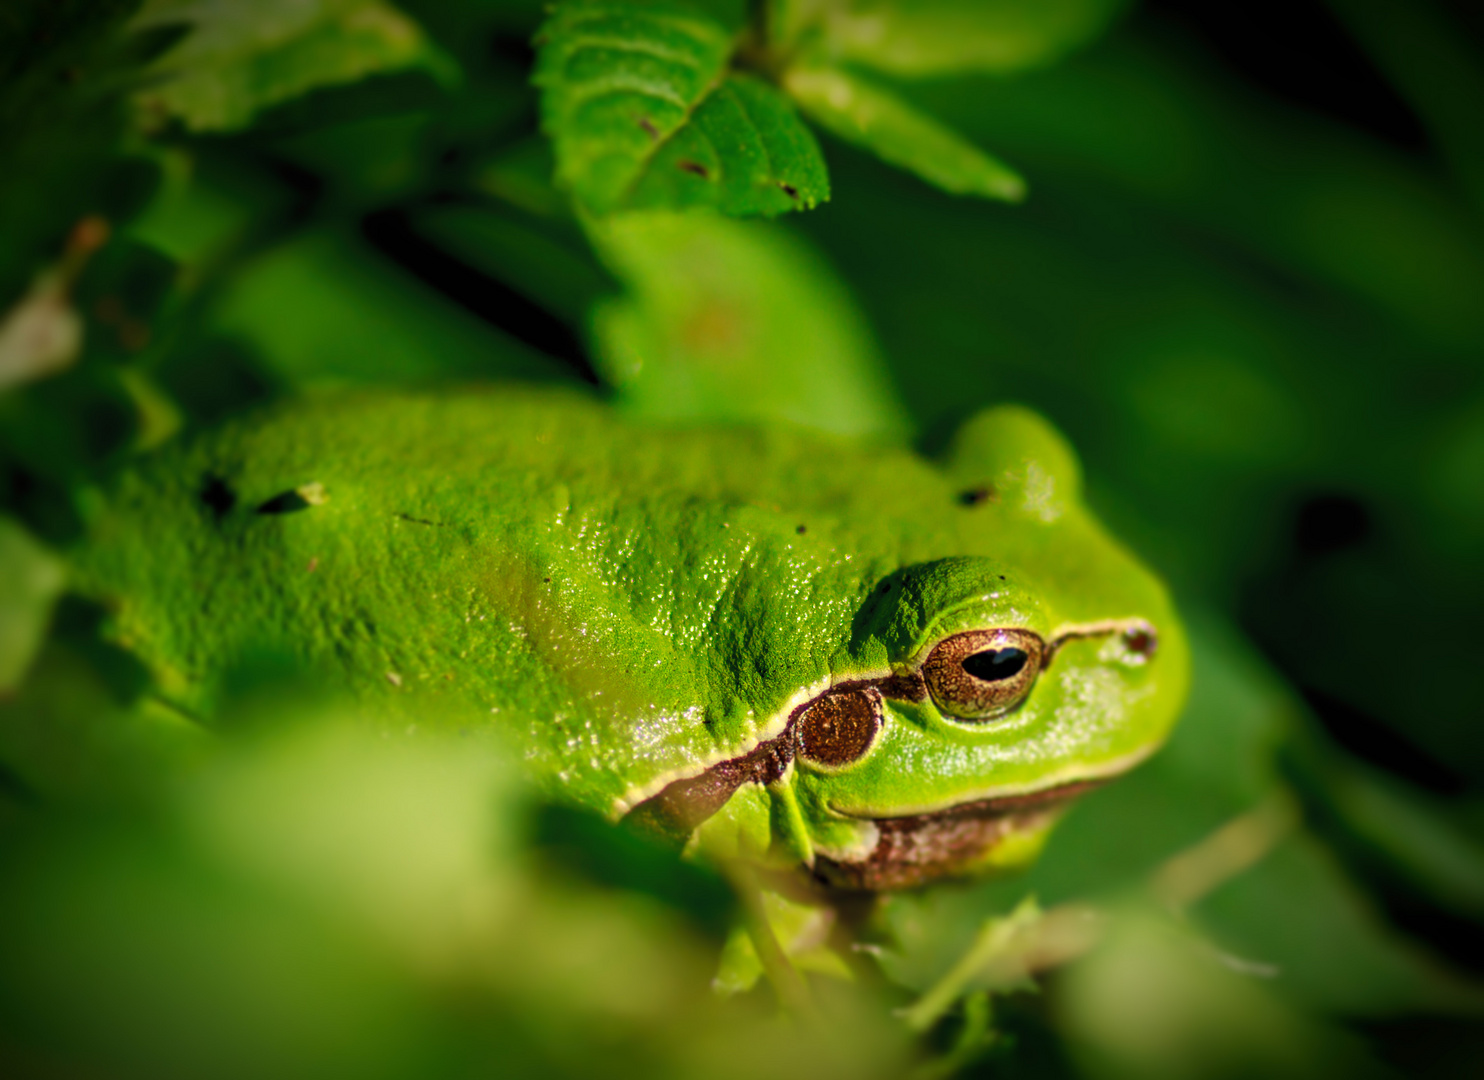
982,690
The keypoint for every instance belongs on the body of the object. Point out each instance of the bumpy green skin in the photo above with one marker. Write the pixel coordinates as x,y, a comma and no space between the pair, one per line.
635,604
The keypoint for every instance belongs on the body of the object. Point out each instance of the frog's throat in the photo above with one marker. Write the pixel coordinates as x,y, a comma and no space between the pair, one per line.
916,848
965,837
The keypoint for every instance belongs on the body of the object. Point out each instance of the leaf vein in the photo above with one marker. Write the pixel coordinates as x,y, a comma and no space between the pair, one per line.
617,87
647,159
681,59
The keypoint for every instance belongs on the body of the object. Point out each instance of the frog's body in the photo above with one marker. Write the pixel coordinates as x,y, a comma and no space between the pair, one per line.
665,617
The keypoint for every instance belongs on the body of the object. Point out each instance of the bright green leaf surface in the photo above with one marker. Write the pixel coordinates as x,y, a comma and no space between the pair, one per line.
643,114
734,321
242,56
942,37
30,579
893,130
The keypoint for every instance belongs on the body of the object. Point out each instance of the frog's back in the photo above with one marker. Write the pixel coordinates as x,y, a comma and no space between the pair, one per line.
628,600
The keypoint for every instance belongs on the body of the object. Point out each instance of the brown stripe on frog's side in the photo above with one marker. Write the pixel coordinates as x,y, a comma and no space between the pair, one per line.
910,849
684,804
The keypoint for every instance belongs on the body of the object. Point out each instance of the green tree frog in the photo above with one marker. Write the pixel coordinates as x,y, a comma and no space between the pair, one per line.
759,641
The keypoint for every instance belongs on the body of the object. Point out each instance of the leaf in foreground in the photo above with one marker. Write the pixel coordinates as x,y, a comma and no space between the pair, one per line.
30,580
645,115
896,132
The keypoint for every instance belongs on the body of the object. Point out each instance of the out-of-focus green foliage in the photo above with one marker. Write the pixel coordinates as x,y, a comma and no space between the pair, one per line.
30,579
1261,328
314,895
711,305
925,38
237,59
848,106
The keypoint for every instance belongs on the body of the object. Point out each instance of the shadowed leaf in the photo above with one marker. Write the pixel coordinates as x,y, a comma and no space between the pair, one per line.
243,56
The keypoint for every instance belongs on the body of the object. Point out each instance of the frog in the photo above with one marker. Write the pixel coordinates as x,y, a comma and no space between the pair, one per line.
754,641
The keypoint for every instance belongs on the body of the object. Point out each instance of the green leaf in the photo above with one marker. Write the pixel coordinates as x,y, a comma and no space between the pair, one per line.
729,320
913,38
896,132
243,56
644,115
30,580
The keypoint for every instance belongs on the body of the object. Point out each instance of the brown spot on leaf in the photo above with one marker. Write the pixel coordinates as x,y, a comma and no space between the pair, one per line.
648,125
977,496
686,165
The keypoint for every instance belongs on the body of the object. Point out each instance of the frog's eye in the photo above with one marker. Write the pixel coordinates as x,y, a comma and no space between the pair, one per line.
983,673
839,727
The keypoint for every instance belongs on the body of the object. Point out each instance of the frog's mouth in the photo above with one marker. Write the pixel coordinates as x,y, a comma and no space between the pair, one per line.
950,842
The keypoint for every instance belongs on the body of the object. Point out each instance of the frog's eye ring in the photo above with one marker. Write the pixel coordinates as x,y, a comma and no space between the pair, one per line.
981,674
839,727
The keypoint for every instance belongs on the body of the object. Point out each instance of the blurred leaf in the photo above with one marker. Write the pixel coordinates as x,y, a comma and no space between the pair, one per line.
896,132
586,845
1156,1001
521,175
41,335
30,580
730,321
916,38
64,68
1394,824
242,56
1425,53
1299,921
325,308
78,733
992,963
333,896
1159,121
644,114
549,262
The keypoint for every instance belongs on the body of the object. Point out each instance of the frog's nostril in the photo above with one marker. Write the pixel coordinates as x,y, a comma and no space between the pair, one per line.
1141,641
